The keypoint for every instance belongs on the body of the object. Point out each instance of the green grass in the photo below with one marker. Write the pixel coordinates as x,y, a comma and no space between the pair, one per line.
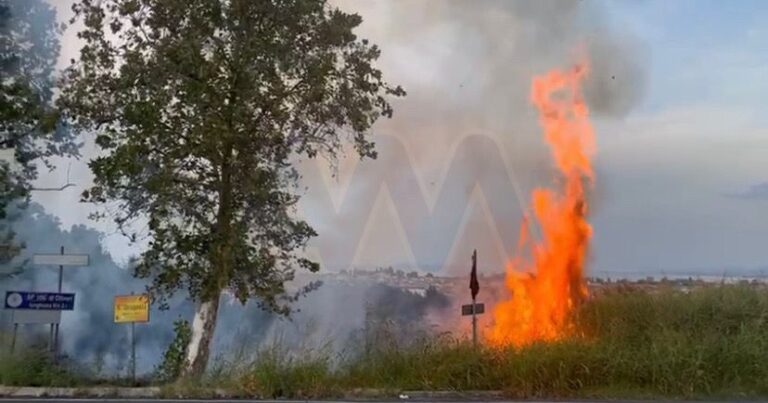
33,367
712,342
709,343
32,364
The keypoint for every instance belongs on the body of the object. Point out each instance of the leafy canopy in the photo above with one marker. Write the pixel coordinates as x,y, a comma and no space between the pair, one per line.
29,127
201,106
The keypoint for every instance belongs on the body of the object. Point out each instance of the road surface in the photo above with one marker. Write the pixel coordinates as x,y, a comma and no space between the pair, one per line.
98,400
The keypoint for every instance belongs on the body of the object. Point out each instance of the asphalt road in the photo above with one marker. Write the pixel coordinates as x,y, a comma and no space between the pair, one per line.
95,400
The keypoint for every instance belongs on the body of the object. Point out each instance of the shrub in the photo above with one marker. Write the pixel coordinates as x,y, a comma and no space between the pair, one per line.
175,356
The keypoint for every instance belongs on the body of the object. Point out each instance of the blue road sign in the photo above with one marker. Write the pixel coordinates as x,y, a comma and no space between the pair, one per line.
39,300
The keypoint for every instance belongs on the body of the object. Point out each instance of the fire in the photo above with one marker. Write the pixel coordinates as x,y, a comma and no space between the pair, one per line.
546,278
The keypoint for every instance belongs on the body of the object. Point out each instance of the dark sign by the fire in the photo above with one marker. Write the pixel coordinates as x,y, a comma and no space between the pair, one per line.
467,309
474,308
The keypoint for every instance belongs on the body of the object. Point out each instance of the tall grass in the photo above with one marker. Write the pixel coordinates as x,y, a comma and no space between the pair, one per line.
711,342
33,364
35,367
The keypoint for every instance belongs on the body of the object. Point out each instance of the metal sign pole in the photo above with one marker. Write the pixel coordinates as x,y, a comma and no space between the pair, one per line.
13,338
474,324
131,309
133,352
473,282
15,330
56,331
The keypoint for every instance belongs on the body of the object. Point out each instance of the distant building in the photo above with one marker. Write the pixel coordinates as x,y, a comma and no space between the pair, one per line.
422,292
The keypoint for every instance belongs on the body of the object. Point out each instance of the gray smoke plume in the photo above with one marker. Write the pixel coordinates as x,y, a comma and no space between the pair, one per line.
467,67
466,123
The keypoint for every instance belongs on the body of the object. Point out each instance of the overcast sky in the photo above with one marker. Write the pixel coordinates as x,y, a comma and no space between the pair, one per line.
678,95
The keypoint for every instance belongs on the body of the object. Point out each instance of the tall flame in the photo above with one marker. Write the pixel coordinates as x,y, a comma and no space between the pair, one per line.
546,278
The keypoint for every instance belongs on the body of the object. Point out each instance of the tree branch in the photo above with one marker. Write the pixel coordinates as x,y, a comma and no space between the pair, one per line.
54,189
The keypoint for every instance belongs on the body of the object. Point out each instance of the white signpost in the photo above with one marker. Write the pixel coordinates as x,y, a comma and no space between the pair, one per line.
31,317
61,260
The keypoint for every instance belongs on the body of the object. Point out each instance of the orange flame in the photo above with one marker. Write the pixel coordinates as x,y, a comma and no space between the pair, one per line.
546,286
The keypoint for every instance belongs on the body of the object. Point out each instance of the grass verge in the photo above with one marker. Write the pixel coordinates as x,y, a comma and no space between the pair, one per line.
710,342
35,368
707,343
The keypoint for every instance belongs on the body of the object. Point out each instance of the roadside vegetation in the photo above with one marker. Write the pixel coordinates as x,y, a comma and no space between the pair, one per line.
34,367
709,342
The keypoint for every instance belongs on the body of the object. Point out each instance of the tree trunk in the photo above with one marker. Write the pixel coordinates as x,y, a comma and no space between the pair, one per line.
199,346
204,323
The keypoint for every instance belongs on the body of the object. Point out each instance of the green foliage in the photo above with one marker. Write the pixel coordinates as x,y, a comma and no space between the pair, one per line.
34,367
201,107
707,342
711,342
173,358
29,126
276,373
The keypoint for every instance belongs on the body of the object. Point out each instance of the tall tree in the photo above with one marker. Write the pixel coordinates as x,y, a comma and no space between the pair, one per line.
201,106
29,129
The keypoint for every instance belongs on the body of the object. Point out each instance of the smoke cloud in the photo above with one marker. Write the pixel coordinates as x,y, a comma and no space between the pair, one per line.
328,317
456,164
467,67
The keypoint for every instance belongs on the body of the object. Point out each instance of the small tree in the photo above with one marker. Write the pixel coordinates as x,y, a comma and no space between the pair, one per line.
175,355
201,106
29,130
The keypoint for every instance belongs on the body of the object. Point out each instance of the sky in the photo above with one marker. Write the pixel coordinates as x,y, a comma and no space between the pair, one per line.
676,94
684,174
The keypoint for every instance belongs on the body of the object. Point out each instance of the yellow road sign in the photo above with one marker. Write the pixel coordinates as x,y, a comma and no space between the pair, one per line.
131,308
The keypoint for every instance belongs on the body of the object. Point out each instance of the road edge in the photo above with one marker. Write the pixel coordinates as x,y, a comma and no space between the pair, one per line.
86,392
156,392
